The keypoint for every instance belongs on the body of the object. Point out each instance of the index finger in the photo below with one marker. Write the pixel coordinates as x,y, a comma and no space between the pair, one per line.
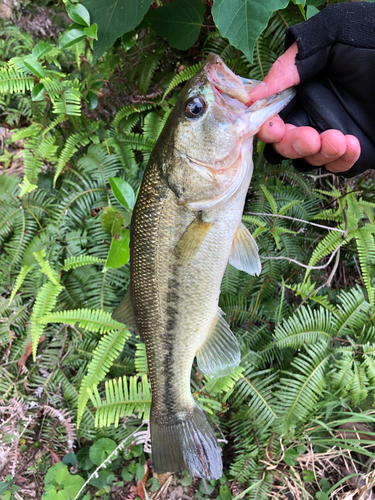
282,75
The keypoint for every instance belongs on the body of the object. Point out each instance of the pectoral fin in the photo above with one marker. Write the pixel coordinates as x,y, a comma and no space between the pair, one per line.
124,311
219,355
190,242
244,254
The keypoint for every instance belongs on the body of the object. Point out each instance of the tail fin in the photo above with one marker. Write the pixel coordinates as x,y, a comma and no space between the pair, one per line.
187,444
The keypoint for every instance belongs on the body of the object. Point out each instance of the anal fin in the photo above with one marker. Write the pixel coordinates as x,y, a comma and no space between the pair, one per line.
220,354
124,311
244,254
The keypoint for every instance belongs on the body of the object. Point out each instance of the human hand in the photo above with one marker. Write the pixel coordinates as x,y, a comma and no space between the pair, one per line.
338,152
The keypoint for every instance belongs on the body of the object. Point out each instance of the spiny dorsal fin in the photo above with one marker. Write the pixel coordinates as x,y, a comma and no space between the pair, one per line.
244,254
190,242
124,311
219,355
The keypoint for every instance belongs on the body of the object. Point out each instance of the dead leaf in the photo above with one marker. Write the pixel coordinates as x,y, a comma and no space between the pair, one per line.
54,457
29,349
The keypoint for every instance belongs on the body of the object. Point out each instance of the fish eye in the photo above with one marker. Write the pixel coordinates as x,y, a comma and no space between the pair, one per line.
195,107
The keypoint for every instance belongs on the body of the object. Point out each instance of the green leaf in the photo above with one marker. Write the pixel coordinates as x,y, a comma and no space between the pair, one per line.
123,192
140,472
92,31
92,100
34,67
41,49
290,456
242,21
71,37
119,252
225,493
114,18
100,450
70,458
78,13
51,474
311,11
38,92
126,475
53,495
72,486
62,475
179,22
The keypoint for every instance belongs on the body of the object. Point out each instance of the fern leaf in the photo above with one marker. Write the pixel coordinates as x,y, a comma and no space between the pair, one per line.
366,254
71,146
121,400
342,373
81,260
13,80
107,351
255,389
44,303
270,199
351,313
305,327
122,116
183,75
141,365
20,279
360,383
26,187
46,267
91,319
302,389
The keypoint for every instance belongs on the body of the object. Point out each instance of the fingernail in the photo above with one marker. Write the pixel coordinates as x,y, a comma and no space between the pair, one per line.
301,147
256,90
334,153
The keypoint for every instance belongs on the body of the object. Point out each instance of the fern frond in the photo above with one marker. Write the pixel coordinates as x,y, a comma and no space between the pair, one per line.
342,372
71,146
359,387
81,260
351,313
107,351
254,389
13,80
140,361
44,303
126,113
121,400
20,279
366,252
46,267
270,199
305,327
91,319
184,75
302,389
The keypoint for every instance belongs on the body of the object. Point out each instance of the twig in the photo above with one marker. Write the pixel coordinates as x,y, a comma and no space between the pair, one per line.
304,265
327,283
107,460
297,220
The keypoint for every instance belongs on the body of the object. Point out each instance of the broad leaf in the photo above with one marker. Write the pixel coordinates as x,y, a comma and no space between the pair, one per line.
34,66
92,31
38,92
71,37
242,21
179,22
119,252
114,18
41,49
123,192
100,450
78,13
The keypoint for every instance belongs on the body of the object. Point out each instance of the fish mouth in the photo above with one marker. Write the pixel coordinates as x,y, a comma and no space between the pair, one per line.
227,84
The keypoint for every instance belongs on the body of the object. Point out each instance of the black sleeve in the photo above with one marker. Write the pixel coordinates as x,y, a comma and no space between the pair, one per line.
336,63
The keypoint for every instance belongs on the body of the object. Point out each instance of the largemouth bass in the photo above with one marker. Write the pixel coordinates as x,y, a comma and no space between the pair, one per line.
186,226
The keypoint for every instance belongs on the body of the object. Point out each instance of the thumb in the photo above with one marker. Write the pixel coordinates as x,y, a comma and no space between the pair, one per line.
283,74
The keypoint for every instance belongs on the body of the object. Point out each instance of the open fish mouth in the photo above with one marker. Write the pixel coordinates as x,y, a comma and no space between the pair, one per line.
231,87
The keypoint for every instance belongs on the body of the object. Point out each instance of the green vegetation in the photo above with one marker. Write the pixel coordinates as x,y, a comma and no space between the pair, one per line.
88,101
